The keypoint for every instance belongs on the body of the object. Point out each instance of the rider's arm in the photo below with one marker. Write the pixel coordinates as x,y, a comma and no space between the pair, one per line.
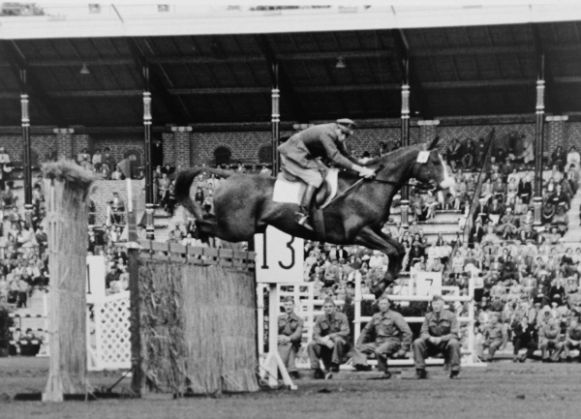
336,155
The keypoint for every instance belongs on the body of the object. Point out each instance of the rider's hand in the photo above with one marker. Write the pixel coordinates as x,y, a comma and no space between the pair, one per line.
366,172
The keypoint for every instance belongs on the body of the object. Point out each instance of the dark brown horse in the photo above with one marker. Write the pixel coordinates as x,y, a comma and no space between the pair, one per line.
243,204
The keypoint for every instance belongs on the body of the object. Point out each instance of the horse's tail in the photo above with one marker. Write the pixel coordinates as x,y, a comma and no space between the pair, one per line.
183,184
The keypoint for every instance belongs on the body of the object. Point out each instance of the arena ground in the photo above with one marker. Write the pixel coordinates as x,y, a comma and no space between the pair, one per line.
501,390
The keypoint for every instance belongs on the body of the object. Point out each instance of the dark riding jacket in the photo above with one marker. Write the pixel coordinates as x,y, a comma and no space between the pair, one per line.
321,141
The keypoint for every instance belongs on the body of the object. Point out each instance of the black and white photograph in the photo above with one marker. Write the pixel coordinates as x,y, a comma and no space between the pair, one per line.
294,209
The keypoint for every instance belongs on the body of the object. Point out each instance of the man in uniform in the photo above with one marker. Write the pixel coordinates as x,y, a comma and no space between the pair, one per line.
392,336
495,336
329,343
306,153
290,330
573,338
549,334
439,333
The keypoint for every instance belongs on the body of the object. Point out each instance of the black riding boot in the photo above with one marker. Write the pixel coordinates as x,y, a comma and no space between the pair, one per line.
305,207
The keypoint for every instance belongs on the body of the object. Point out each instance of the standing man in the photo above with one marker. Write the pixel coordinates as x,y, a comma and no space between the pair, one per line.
306,155
329,343
290,331
439,334
392,336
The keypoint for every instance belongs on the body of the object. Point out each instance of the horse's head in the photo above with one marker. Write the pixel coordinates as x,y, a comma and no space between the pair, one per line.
431,168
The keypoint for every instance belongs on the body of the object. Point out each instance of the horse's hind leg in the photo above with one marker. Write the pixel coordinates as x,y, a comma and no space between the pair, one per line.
206,228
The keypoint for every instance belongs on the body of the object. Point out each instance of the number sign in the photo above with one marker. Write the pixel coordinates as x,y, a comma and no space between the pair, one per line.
425,283
279,257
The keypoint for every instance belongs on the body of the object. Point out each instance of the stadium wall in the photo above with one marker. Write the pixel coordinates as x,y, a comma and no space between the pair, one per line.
185,146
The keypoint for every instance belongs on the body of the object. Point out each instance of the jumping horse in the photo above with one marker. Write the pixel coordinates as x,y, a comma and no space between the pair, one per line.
243,204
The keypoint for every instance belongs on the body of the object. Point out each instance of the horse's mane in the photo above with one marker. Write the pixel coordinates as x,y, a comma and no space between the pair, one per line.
389,156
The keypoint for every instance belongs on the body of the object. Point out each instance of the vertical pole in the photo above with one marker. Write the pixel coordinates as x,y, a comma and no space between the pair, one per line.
136,357
405,139
149,205
275,118
273,313
25,123
358,300
539,143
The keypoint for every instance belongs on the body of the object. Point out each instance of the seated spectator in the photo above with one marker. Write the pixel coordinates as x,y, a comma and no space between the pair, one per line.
469,154
549,337
454,152
387,334
524,335
495,337
329,343
559,197
573,339
7,197
163,189
439,333
561,220
525,188
83,157
508,225
572,176
117,209
558,157
574,158
29,344
290,329
117,174
499,190
97,159
547,213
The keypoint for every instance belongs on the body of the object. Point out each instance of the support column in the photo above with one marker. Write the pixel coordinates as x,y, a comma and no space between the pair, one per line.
25,123
428,129
149,203
182,146
405,141
539,144
275,119
64,143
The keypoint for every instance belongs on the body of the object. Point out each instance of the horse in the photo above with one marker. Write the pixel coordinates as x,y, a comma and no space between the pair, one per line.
243,204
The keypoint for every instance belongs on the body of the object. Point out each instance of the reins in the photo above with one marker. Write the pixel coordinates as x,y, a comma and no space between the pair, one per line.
359,182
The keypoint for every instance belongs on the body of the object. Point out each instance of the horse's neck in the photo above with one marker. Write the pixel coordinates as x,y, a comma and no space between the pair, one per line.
398,165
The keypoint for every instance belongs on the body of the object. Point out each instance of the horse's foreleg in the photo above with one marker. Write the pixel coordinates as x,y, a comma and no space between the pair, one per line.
376,240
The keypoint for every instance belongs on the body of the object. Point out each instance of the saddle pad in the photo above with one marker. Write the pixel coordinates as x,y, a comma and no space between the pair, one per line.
292,192
286,191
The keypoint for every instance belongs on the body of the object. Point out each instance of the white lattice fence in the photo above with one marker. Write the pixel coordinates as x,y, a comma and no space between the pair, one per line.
111,347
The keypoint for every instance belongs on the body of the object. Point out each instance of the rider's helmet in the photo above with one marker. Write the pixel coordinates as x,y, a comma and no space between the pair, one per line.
346,125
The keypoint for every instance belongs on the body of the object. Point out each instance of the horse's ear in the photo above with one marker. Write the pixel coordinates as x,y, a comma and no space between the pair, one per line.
432,144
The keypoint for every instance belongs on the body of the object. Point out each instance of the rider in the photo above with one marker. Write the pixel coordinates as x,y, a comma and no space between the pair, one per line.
305,153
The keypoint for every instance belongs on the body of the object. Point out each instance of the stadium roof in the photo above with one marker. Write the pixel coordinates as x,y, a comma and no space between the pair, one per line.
484,67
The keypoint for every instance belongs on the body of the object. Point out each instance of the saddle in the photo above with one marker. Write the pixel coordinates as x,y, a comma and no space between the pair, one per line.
291,189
